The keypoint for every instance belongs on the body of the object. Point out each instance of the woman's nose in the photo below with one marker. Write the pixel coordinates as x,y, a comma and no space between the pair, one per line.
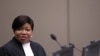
24,32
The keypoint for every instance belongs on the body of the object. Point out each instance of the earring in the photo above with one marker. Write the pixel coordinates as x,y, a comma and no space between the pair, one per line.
31,36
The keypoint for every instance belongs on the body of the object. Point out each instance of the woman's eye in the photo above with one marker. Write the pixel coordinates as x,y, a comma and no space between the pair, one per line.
27,29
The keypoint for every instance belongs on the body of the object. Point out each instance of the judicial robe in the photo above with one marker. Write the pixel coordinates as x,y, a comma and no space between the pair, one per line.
14,48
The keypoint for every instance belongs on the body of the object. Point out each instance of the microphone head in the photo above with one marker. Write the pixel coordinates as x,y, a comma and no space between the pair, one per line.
53,37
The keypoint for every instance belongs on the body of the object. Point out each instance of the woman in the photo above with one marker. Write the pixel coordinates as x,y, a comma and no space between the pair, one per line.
21,45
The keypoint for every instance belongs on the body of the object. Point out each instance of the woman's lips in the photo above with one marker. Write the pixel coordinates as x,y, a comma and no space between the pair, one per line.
22,37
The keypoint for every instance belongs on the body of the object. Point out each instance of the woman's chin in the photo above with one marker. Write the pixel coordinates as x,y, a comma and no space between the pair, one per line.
24,41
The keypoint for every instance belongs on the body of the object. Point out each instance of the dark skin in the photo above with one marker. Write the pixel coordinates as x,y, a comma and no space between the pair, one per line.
24,33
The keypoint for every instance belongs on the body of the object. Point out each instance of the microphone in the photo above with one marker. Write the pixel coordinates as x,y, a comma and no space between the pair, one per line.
53,37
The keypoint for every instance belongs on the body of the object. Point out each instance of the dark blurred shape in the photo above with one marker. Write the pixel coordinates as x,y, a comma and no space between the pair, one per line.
67,51
92,49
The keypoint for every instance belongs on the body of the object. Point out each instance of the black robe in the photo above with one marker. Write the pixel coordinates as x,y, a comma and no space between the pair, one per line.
14,48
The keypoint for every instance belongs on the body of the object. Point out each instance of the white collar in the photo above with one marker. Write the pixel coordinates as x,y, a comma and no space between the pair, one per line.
27,49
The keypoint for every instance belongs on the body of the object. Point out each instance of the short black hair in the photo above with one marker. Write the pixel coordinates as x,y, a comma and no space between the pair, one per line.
20,20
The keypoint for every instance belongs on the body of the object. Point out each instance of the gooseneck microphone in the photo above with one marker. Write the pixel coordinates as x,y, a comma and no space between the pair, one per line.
53,37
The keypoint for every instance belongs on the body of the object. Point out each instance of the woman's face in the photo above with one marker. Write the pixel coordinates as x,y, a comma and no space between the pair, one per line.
24,33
